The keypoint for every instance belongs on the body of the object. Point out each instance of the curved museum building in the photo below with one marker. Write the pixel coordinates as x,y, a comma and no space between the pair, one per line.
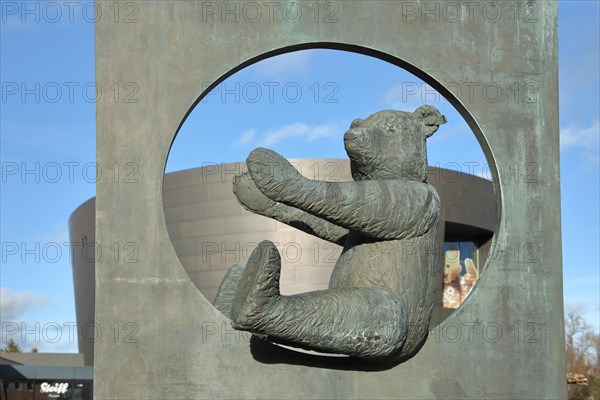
210,232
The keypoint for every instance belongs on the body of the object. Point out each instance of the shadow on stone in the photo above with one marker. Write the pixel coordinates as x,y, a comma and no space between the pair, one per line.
269,353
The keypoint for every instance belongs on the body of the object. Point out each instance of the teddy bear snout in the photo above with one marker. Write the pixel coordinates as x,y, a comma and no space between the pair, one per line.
351,138
350,135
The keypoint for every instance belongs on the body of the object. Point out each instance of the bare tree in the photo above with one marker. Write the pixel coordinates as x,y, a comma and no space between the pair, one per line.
583,354
582,343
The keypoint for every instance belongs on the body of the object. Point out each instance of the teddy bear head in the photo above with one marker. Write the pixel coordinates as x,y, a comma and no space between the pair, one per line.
391,144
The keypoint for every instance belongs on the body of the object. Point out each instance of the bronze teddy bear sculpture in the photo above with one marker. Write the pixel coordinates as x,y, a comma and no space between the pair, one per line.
380,296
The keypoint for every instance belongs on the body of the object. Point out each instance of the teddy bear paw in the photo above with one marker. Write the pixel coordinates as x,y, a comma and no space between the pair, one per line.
273,174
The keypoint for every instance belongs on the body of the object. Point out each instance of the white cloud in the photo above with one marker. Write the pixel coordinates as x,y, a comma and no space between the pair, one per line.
13,304
299,130
408,96
294,131
588,138
245,138
46,336
294,62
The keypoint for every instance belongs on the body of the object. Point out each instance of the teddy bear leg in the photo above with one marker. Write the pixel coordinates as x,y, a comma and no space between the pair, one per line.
368,323
365,322
227,290
258,290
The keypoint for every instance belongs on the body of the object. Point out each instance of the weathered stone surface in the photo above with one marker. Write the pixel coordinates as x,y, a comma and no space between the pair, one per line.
185,348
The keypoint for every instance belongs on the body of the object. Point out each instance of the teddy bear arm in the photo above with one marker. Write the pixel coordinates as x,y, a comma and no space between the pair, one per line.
253,200
407,209
308,223
386,209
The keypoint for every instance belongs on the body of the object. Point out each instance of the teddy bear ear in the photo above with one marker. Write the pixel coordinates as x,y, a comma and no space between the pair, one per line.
356,123
431,118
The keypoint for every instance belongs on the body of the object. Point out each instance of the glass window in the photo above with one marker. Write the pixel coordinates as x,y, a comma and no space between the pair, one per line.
460,272
82,390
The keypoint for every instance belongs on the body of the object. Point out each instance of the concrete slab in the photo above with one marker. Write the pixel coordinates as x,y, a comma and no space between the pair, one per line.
184,348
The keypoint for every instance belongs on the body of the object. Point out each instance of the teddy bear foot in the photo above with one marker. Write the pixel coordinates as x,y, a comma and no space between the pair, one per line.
227,290
249,196
258,289
273,175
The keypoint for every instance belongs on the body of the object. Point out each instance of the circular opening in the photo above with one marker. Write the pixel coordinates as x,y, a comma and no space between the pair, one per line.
300,104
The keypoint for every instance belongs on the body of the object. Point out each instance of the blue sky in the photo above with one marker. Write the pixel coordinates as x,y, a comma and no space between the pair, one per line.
298,104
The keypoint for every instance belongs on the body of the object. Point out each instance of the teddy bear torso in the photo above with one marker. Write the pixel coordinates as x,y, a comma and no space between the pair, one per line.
406,267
